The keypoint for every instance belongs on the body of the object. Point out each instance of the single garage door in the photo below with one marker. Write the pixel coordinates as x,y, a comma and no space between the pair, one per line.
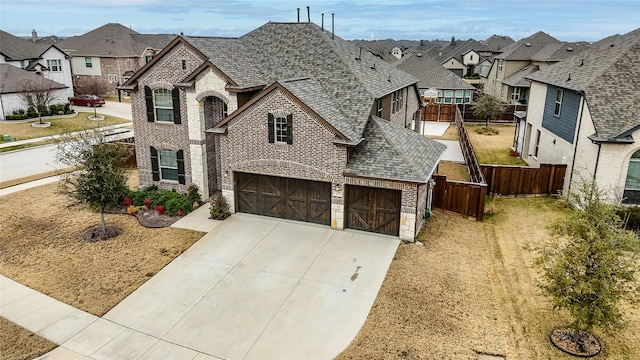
285,198
373,209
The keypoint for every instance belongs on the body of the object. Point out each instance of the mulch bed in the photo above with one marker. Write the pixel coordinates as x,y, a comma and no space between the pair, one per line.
94,234
587,345
148,218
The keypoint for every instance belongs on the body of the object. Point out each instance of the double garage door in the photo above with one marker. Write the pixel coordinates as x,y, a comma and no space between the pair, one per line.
369,209
285,198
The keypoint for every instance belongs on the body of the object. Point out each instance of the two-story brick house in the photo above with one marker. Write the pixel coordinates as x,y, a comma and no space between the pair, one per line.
287,121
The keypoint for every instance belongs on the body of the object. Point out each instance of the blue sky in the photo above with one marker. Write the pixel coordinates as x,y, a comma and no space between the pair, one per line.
569,20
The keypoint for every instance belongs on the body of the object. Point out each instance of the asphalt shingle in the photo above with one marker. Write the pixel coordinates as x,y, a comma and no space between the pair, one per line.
394,153
14,80
608,74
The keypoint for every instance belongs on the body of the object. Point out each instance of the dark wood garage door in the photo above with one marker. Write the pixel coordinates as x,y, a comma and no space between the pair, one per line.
373,209
285,198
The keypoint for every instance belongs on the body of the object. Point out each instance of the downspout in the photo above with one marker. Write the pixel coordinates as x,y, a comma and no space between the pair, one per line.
575,148
595,170
406,107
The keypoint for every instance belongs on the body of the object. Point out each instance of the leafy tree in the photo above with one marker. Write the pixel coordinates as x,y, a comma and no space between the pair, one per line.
589,266
488,107
98,182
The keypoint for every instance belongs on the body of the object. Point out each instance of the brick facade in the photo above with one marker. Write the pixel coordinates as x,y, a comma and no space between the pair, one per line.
163,135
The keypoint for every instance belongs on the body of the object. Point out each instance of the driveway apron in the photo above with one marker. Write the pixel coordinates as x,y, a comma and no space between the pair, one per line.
252,288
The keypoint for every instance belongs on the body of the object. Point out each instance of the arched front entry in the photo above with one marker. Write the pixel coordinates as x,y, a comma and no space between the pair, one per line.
214,110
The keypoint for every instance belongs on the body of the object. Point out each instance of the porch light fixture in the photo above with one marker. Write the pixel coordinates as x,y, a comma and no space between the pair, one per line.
226,173
337,186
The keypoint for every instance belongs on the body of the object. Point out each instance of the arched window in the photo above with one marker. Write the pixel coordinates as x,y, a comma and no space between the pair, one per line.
632,185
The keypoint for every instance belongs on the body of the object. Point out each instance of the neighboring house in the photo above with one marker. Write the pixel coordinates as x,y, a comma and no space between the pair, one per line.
435,81
387,50
461,57
40,58
318,134
506,78
111,53
495,44
16,82
584,112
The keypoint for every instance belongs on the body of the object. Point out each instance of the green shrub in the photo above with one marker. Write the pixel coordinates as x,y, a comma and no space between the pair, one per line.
31,112
219,210
174,205
193,194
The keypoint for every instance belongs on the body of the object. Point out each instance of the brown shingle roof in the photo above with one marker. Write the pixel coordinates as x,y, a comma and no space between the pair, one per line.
608,74
13,80
114,40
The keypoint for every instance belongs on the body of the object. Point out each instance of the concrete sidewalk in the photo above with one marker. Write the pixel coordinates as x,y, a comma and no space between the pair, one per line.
252,288
106,129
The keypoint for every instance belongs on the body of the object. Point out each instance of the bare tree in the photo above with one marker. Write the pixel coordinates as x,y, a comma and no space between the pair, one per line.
91,86
39,94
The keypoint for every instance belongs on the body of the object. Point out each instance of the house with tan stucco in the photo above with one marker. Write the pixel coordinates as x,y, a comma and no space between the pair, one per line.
288,121
584,112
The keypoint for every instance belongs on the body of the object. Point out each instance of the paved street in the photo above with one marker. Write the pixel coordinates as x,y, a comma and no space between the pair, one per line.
41,159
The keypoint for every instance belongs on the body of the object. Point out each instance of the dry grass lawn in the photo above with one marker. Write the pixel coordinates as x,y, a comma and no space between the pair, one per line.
24,130
17,343
453,171
471,289
494,149
41,248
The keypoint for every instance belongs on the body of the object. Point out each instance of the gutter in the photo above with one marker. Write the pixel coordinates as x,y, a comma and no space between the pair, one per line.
575,147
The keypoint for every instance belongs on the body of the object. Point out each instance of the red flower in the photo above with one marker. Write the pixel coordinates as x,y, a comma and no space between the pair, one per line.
147,203
127,202
180,213
160,209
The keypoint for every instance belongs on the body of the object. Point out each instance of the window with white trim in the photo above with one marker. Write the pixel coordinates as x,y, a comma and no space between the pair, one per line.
500,63
168,165
163,105
54,65
631,193
515,95
88,62
281,130
558,106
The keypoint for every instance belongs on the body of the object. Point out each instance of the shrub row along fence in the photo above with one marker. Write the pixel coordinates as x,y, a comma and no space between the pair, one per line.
447,113
468,198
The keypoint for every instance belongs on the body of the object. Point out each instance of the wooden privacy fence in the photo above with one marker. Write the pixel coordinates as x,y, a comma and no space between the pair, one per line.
447,113
468,153
464,198
504,180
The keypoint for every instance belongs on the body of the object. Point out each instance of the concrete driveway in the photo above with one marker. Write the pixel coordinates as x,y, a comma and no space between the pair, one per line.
252,288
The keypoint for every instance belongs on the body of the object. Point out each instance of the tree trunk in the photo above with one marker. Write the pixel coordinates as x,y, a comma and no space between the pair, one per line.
95,112
102,223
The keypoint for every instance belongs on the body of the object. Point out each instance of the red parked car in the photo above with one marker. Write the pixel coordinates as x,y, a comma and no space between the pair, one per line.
86,100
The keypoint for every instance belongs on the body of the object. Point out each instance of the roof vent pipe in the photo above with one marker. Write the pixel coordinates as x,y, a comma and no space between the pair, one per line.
308,14
298,14
322,22
332,25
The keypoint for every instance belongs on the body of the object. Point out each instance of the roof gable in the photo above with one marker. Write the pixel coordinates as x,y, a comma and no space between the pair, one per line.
317,104
430,73
524,49
114,40
392,152
608,74
15,48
